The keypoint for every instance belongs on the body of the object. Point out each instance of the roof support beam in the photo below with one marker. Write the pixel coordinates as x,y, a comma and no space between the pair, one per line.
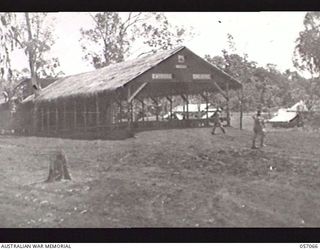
134,94
184,98
169,99
220,90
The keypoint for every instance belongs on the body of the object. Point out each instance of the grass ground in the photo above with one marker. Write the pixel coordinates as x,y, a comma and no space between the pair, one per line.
172,178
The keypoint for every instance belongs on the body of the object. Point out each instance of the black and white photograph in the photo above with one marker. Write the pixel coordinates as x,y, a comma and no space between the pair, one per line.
160,119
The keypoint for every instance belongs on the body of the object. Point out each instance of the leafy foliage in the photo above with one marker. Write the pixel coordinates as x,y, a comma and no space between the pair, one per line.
108,42
39,45
307,58
159,34
7,44
36,40
307,51
262,86
113,35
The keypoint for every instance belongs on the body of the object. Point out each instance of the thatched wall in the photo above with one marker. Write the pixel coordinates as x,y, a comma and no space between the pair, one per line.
72,117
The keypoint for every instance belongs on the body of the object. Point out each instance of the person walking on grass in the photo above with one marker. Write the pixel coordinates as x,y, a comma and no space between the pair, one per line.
258,129
217,122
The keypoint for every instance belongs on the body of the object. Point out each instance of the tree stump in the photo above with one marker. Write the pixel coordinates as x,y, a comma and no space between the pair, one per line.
58,168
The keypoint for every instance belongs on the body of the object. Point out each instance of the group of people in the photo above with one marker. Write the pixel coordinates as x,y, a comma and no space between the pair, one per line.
258,126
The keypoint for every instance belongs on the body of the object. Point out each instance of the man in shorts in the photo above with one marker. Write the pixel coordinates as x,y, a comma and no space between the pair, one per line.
258,129
217,122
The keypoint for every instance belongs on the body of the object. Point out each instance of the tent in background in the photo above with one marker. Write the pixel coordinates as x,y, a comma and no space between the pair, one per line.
289,117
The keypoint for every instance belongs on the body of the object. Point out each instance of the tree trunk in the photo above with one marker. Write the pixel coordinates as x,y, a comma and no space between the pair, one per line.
35,84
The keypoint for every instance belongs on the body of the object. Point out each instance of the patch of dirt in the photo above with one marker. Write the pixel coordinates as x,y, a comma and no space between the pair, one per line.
173,178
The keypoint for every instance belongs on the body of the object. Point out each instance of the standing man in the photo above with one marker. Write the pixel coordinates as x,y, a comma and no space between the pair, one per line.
217,122
258,129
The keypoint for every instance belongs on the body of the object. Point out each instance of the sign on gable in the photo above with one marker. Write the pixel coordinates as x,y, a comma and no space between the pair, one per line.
161,76
181,59
201,76
181,66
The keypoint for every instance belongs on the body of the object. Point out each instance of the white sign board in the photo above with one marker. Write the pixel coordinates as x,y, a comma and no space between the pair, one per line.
201,76
181,66
161,76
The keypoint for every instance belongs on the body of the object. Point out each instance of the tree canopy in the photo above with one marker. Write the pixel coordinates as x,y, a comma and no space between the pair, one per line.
113,35
307,50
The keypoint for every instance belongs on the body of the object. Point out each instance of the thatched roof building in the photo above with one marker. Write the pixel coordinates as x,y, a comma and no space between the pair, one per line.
116,76
70,102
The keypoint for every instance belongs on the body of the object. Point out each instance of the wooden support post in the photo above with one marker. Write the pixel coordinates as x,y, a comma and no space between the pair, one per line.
207,107
131,111
156,103
57,117
75,114
121,111
185,108
129,115
187,101
143,108
205,97
64,115
85,115
228,108
113,107
35,113
241,107
170,100
48,119
199,116
42,119
97,111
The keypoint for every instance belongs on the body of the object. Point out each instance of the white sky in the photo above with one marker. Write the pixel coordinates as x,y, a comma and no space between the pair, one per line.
267,37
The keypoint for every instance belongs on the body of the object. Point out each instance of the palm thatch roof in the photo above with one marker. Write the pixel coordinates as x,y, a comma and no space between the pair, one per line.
108,78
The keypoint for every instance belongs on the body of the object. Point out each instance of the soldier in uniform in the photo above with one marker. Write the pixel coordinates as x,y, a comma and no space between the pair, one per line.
258,129
217,122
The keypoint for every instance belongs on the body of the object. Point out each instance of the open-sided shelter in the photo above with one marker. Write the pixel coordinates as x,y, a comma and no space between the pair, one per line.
100,102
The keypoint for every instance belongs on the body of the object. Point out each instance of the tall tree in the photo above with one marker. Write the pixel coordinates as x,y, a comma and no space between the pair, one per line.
262,86
108,41
307,58
307,50
36,38
30,50
159,34
7,44
34,35
113,34
241,69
